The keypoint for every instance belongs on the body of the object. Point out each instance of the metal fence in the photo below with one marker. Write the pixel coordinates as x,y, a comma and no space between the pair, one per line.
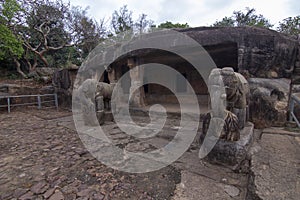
39,100
295,98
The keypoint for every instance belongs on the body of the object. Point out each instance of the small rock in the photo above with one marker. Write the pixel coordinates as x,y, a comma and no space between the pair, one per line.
49,193
40,187
273,74
84,193
182,185
224,180
58,195
19,192
98,196
27,196
231,190
55,169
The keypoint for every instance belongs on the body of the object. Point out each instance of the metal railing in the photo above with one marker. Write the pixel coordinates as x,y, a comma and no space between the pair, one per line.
39,100
295,98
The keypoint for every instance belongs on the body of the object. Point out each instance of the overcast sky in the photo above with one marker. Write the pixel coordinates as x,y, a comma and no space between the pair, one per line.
193,12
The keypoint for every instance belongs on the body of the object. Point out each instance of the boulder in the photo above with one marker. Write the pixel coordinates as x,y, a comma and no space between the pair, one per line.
45,71
43,74
62,83
268,102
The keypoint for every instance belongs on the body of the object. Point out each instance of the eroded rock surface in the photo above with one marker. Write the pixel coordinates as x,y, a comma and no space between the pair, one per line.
268,101
275,167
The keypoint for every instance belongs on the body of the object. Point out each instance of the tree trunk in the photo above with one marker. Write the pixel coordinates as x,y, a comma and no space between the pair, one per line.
18,65
44,60
33,66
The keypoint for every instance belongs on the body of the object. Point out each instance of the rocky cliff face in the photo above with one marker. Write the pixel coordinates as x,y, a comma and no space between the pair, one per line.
263,53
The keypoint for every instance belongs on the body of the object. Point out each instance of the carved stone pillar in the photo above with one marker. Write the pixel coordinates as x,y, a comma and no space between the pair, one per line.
137,94
111,75
241,58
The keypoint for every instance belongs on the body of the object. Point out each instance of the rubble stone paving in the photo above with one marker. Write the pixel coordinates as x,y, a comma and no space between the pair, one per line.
42,158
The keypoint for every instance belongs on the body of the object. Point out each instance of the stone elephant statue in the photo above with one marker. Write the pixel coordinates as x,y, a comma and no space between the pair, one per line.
105,90
85,99
237,89
225,84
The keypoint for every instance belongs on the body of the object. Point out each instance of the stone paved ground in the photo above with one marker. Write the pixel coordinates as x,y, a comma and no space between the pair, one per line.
42,157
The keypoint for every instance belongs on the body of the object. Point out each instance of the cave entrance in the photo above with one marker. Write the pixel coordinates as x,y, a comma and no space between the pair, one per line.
224,54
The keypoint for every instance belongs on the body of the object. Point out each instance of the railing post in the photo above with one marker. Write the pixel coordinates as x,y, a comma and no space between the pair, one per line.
8,104
56,100
39,102
291,108
293,117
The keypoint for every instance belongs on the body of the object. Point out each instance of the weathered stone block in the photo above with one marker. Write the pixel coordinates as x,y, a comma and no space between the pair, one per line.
232,153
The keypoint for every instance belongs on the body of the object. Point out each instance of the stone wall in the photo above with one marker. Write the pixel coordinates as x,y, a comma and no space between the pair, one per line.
63,81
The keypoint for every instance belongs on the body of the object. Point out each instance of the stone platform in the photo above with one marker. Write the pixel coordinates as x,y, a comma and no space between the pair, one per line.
275,166
233,154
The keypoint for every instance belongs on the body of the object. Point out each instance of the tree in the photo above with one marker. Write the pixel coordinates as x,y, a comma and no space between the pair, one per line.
168,24
10,44
122,20
142,23
91,32
47,28
290,25
46,32
249,18
225,22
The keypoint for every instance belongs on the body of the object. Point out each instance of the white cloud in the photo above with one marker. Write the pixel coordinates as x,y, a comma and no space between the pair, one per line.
194,12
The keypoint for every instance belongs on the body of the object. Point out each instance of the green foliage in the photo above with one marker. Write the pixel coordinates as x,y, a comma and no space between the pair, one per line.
225,22
168,24
9,9
290,25
249,18
10,45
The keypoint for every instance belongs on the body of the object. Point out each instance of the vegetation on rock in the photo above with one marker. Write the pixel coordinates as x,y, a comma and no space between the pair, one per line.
249,18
